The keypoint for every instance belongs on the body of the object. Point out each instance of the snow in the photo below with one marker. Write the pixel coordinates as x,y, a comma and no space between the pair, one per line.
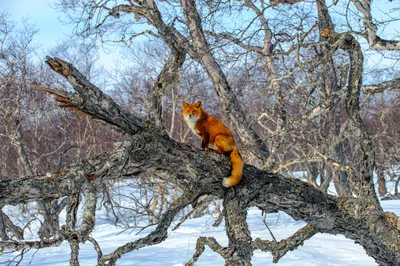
322,249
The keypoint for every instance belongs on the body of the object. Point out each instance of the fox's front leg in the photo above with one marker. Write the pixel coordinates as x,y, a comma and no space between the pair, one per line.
205,140
205,143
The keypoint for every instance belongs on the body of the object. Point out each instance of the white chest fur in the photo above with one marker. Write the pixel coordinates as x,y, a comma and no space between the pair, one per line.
191,122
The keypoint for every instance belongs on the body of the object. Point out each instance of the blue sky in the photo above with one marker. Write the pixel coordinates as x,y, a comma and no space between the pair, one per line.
39,13
49,23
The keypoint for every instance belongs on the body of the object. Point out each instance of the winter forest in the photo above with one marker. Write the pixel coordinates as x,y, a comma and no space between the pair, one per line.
309,89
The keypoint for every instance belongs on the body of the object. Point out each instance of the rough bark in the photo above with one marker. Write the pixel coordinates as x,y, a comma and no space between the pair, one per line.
235,212
189,168
101,106
381,87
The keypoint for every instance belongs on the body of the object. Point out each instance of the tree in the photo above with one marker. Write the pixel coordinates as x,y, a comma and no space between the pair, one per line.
147,148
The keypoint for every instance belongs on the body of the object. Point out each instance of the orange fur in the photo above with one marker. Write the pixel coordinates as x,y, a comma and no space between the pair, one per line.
216,137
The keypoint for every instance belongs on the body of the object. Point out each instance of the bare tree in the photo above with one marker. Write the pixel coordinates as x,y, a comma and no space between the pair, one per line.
325,213
301,102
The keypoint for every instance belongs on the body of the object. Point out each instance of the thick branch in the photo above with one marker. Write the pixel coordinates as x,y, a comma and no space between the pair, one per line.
190,169
74,261
92,100
349,44
62,182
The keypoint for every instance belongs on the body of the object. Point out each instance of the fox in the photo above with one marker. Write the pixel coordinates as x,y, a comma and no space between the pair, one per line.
215,137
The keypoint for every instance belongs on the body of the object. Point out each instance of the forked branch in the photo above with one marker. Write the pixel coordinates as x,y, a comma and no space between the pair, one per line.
212,243
280,248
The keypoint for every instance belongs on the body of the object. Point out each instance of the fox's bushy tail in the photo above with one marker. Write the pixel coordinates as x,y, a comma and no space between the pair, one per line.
237,169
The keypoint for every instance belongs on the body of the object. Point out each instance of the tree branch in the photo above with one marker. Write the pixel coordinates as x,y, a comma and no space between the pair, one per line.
18,245
237,229
166,80
237,41
381,87
158,235
212,243
280,248
374,41
6,223
91,100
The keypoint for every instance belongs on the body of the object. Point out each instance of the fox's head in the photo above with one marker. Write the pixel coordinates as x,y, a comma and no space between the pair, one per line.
191,112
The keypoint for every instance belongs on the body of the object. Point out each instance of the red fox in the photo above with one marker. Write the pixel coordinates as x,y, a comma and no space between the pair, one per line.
215,136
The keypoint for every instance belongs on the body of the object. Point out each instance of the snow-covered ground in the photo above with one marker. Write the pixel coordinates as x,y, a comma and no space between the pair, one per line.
322,249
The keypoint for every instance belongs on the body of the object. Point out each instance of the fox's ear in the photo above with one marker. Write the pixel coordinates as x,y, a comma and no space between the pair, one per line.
184,104
198,104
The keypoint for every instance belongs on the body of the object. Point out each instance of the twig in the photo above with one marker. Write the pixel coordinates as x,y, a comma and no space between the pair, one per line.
265,222
200,203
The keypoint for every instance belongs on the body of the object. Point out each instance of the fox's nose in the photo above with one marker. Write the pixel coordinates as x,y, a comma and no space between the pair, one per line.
190,115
